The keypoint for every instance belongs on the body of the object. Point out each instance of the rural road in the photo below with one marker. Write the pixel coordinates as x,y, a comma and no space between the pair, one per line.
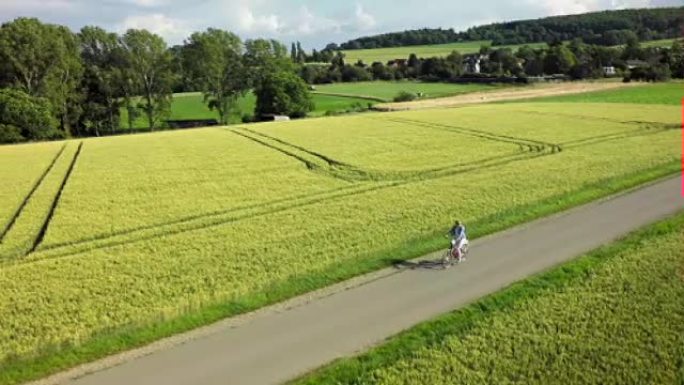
276,346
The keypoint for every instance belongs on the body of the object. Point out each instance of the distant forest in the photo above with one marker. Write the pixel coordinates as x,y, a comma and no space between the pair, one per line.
603,28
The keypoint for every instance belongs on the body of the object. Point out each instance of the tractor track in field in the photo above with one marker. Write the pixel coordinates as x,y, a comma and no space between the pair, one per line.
328,160
531,144
310,165
347,172
280,205
35,186
611,137
55,201
184,220
160,231
599,118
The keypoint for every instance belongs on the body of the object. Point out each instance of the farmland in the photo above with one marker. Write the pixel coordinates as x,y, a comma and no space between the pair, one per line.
183,227
384,55
387,90
614,316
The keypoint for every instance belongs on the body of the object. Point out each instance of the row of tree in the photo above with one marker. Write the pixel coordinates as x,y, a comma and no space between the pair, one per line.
603,28
55,83
577,60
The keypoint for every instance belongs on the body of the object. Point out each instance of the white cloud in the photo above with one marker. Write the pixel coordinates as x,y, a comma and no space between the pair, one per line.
147,3
565,7
621,4
172,30
243,16
250,22
364,20
307,23
313,22
29,6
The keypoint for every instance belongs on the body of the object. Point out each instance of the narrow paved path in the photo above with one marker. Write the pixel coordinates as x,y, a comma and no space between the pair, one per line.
276,346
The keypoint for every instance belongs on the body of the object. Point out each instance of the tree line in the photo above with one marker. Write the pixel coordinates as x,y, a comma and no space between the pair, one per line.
606,28
55,83
575,60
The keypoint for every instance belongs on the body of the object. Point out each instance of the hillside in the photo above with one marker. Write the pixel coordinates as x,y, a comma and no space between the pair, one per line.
604,28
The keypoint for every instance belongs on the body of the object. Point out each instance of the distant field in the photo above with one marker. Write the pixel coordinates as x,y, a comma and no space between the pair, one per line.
659,43
659,93
612,317
386,91
386,54
198,225
190,106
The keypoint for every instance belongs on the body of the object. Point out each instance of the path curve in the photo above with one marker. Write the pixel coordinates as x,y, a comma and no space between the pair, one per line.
279,343
515,93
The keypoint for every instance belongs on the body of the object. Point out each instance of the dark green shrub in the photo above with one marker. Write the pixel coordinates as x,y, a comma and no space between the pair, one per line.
283,93
10,134
24,117
405,96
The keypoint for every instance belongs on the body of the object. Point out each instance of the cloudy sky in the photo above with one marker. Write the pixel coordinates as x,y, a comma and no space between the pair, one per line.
313,22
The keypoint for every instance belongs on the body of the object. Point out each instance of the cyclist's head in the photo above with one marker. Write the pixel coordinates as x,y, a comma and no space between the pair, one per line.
457,223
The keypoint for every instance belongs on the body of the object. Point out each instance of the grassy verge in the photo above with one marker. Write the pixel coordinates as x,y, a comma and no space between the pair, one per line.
62,357
458,324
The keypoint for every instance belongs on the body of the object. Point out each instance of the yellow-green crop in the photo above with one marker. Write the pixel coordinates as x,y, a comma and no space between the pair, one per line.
156,226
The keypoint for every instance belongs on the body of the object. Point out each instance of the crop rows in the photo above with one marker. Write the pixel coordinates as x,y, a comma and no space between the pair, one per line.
27,230
530,144
191,175
551,123
208,220
22,169
35,186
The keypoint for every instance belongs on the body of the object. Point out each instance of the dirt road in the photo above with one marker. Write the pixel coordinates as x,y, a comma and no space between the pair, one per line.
516,93
278,344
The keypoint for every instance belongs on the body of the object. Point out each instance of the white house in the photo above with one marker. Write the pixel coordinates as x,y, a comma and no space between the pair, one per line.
609,70
471,63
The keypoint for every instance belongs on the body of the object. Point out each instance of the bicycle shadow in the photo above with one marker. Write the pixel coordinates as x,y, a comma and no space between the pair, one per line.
436,264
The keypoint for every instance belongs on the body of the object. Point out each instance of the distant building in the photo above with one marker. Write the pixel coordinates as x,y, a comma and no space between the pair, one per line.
609,70
471,63
275,118
397,63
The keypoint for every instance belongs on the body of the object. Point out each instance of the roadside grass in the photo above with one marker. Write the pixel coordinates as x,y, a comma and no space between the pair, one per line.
408,357
55,358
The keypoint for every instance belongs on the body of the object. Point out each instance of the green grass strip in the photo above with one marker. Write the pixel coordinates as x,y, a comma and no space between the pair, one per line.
358,370
56,358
